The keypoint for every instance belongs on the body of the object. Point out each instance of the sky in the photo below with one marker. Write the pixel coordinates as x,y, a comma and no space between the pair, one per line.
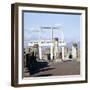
70,24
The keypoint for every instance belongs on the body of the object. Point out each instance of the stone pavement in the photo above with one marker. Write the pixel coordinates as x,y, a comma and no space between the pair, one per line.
57,69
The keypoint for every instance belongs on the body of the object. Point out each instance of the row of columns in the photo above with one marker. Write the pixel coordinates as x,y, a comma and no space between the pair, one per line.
51,52
74,52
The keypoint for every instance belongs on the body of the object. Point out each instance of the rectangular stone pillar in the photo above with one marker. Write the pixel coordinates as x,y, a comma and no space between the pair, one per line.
40,52
63,53
51,52
74,52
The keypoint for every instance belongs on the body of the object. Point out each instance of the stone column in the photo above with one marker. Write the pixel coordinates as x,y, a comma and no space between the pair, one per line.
74,52
40,52
51,52
63,52
56,48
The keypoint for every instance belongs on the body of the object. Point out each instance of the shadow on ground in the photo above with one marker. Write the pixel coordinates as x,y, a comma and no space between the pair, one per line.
43,75
35,66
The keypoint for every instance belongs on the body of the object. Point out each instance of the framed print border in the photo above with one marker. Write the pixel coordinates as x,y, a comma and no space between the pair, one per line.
15,35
